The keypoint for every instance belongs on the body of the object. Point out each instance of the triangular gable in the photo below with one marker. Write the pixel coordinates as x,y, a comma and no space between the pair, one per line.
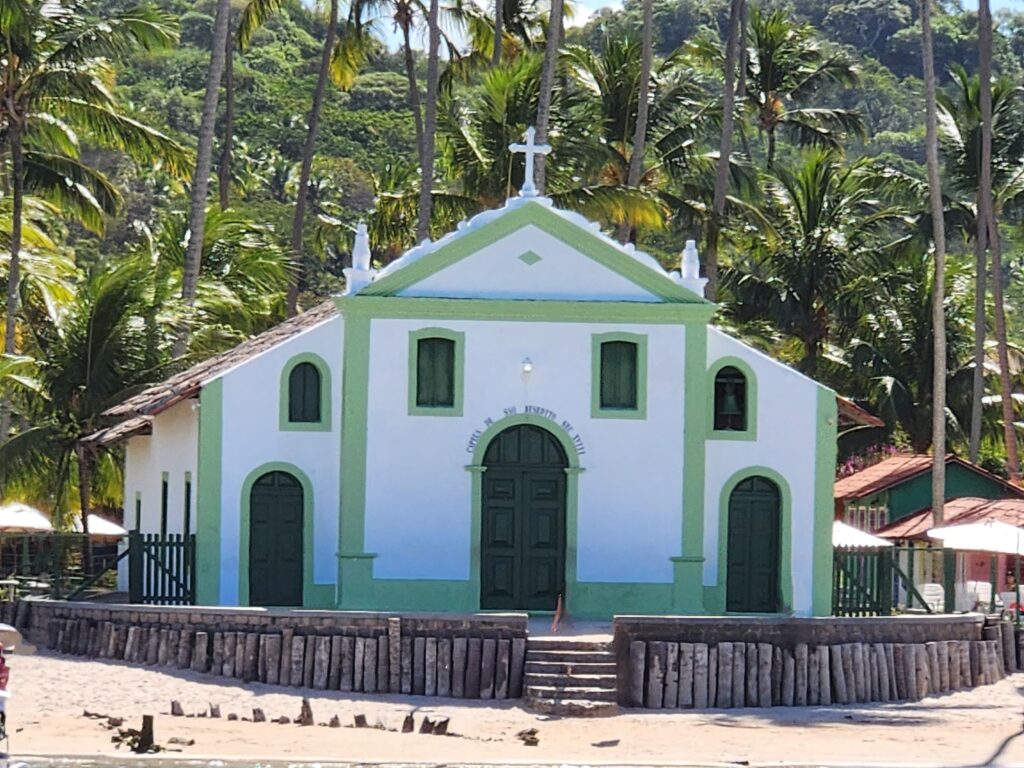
529,250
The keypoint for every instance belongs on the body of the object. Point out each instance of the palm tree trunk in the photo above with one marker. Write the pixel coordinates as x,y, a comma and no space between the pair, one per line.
771,148
499,31
636,160
724,148
307,160
938,299
414,90
224,167
547,82
978,374
204,158
429,124
991,227
14,270
86,469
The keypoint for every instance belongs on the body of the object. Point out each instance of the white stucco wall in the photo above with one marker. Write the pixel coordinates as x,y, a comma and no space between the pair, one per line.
252,438
786,442
497,272
418,492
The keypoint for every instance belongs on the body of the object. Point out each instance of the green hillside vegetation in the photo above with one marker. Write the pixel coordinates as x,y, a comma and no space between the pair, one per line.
824,251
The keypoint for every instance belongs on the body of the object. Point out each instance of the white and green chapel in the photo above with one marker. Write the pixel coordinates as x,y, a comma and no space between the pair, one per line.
522,411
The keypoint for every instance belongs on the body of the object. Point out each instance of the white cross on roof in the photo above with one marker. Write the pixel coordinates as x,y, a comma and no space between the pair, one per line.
530,149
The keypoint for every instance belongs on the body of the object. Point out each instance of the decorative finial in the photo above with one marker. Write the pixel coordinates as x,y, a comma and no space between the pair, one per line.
689,269
530,149
361,250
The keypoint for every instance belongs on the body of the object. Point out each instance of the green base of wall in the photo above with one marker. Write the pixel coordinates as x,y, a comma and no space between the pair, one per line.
602,600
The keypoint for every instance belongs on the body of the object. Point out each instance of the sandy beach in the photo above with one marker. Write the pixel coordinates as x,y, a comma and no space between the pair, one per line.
50,693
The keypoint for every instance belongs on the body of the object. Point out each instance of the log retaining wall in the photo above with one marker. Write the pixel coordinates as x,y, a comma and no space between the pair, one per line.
477,656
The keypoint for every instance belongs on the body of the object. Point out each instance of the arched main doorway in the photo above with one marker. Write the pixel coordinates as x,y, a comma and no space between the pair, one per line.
522,547
275,540
754,547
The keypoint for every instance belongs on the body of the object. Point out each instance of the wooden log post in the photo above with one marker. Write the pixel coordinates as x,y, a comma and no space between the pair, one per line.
752,671
131,642
655,693
777,676
712,675
217,653
900,673
934,676
184,649
383,664
460,650
700,676
824,676
419,662
953,653
488,658
240,656
923,671
764,674
883,672
517,666
334,676
261,658
685,698
370,665
346,678
974,654
724,698
474,657
444,666
395,654
161,653
788,677
839,689
739,675
501,669
1009,647
297,659
272,649
430,667
405,671
307,662
671,696
942,657
321,662
813,685
800,674
637,672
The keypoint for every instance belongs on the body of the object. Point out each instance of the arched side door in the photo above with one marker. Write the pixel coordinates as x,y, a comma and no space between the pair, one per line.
276,540
754,547
522,548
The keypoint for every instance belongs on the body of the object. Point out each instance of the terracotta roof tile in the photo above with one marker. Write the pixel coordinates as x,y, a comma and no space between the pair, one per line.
967,509
187,384
882,475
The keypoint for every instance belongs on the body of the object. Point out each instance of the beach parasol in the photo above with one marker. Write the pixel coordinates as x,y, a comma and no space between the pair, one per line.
100,526
21,518
987,536
848,537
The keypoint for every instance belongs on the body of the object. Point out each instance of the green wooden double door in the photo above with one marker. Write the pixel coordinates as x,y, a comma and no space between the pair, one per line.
276,511
754,547
522,548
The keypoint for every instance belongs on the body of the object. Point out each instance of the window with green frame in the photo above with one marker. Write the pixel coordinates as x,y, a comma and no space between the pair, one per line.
435,373
304,394
618,386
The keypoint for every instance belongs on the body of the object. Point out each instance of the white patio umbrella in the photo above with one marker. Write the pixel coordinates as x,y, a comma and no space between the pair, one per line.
100,526
987,536
848,537
21,518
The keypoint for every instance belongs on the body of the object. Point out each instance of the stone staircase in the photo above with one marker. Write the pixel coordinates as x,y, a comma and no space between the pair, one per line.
573,677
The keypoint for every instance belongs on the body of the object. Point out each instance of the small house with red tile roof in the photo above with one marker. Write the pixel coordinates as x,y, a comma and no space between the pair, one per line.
900,486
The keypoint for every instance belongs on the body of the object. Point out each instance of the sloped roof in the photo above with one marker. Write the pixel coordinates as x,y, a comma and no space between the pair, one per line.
851,414
967,509
181,386
898,469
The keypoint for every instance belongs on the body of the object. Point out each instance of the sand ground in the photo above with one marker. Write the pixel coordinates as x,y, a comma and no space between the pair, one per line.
50,692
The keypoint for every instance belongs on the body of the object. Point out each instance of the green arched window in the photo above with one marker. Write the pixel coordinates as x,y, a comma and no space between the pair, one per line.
304,388
730,400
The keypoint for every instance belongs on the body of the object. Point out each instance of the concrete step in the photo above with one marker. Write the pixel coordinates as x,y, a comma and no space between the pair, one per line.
569,657
569,681
579,692
557,644
569,668
573,707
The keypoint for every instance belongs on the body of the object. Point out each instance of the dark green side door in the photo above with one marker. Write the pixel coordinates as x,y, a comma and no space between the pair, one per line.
752,571
522,548
275,540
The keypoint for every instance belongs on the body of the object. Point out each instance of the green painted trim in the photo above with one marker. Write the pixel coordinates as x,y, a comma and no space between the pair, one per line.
529,258
596,411
324,425
459,375
138,511
688,575
186,526
824,505
582,240
785,536
208,494
165,501
355,574
515,310
313,595
750,433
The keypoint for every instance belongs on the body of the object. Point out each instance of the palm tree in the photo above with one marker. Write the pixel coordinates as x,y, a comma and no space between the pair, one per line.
547,85
939,242
429,122
991,227
204,159
55,87
786,64
636,160
737,9
823,228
